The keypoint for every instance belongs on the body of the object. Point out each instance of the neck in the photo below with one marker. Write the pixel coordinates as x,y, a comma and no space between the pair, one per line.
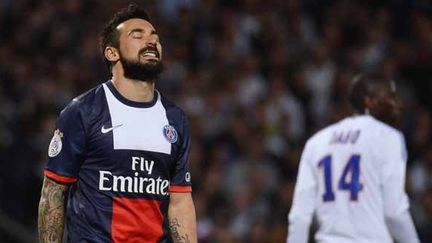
134,90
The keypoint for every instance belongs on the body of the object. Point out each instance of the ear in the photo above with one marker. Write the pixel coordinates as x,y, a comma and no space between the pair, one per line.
111,54
369,103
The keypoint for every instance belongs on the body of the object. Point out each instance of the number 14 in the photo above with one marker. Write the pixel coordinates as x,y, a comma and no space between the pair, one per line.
354,185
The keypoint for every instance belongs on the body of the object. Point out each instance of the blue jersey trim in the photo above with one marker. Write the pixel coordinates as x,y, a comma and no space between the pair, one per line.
127,102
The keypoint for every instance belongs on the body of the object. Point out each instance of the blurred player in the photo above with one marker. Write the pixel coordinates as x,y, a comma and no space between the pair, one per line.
352,174
120,153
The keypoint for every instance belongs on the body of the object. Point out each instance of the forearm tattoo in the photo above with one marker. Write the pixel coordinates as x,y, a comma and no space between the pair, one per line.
51,212
175,232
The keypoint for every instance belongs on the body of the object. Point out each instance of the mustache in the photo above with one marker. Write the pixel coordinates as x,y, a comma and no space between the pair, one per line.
150,49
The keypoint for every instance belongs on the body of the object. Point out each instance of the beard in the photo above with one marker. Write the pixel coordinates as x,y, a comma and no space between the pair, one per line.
145,72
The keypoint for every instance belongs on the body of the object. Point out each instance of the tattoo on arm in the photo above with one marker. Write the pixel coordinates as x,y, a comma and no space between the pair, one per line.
175,232
52,211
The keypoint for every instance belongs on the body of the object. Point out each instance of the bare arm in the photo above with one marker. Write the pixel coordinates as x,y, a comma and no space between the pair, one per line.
52,211
182,220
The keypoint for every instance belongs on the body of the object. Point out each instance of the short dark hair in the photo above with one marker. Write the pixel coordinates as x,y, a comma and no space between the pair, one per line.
110,35
362,86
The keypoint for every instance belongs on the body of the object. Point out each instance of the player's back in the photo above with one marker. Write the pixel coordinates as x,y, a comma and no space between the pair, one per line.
349,161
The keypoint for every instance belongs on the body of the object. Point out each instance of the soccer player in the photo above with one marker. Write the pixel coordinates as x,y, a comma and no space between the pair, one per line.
118,167
352,174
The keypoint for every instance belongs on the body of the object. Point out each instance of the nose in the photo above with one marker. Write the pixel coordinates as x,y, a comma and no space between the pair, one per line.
152,40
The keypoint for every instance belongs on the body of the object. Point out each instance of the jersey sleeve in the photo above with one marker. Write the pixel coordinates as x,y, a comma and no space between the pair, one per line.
396,203
402,228
181,181
393,174
65,152
303,206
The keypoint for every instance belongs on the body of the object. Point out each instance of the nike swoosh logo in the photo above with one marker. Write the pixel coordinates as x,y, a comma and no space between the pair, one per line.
106,130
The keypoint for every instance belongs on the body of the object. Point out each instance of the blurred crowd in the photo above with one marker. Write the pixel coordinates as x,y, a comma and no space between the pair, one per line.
256,79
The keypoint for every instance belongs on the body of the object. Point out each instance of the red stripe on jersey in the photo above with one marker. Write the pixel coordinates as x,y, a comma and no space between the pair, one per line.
180,188
59,178
136,220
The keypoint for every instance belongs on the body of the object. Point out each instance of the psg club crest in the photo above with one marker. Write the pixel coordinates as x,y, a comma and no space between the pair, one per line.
55,144
170,133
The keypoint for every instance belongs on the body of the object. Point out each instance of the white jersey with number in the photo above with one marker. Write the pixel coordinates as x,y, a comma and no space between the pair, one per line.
352,177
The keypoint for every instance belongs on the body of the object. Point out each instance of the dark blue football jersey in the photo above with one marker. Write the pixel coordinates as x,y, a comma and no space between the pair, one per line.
122,158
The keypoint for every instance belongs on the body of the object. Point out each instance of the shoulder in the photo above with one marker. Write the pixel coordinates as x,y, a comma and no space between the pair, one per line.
391,139
383,130
388,141
88,98
176,117
174,112
383,139
85,102
84,108
322,134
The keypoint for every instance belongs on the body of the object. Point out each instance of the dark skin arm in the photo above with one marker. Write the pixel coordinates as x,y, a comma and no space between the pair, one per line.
52,211
182,220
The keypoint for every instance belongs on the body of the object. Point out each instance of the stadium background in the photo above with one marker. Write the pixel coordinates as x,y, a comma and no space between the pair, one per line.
255,77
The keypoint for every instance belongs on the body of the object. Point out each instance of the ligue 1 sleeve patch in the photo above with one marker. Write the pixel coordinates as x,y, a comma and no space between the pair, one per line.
55,144
170,133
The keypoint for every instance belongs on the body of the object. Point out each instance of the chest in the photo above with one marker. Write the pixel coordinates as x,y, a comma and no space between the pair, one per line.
132,141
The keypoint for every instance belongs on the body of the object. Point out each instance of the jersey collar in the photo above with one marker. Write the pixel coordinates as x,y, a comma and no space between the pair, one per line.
128,102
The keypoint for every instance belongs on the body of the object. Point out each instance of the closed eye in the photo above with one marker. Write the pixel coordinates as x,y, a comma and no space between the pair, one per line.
137,36
136,33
